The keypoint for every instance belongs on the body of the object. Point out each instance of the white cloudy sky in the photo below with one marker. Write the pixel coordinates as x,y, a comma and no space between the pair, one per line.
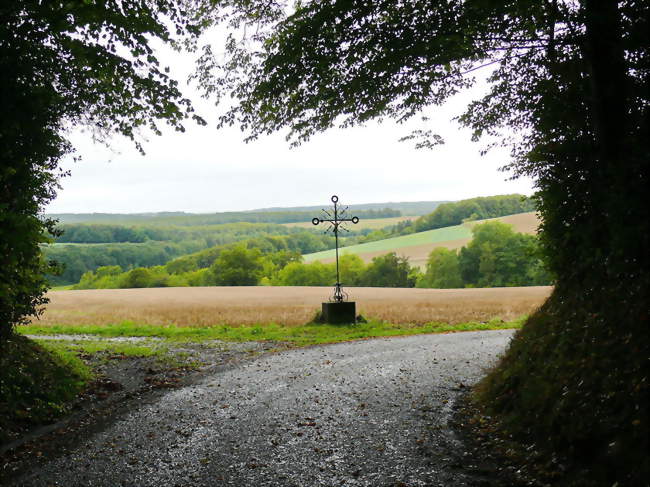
206,170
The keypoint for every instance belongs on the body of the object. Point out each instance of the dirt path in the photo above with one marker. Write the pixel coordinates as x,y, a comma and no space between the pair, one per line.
367,413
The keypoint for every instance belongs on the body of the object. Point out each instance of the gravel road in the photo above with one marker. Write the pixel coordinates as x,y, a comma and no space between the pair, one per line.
366,413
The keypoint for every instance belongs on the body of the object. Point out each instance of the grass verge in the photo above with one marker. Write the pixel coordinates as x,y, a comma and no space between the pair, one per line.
110,349
98,352
37,383
310,334
65,287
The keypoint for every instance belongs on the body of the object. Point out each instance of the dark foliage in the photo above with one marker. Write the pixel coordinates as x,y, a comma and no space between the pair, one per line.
27,181
581,397
37,386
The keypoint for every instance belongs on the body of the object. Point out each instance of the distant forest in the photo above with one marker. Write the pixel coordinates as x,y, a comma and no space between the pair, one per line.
210,234
92,241
79,258
194,219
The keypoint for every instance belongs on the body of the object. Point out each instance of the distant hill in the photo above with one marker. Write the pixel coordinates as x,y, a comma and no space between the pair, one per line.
262,215
196,219
115,218
364,223
418,246
411,208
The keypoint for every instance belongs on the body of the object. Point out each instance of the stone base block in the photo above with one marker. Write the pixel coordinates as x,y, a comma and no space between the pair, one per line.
340,313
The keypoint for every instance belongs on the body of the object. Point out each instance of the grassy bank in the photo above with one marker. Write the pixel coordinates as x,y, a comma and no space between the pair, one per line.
310,334
573,386
37,383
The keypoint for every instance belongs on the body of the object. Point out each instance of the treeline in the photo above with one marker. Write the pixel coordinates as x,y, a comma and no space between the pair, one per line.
449,214
78,259
211,234
190,219
188,270
496,256
239,265
75,260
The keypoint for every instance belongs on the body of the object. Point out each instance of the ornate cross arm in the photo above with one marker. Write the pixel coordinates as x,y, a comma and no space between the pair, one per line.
337,218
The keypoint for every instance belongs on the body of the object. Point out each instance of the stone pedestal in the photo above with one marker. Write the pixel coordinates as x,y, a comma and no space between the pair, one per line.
339,313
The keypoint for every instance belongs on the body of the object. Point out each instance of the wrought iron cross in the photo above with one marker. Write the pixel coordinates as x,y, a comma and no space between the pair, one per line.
336,221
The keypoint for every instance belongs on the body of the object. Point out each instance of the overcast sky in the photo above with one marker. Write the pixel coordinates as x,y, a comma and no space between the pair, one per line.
210,170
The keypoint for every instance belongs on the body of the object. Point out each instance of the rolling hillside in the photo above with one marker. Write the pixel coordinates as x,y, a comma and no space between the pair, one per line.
262,215
406,207
372,223
417,246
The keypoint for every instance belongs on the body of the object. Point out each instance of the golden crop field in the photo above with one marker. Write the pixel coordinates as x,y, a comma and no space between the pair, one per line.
208,306
521,222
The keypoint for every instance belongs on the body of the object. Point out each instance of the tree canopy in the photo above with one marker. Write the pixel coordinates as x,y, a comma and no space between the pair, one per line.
497,257
238,266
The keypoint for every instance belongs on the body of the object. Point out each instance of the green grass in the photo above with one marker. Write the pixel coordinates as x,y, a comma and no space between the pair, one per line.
96,346
102,351
66,287
310,334
430,236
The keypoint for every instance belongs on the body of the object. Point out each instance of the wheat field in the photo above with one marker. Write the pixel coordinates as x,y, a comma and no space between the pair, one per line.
210,306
